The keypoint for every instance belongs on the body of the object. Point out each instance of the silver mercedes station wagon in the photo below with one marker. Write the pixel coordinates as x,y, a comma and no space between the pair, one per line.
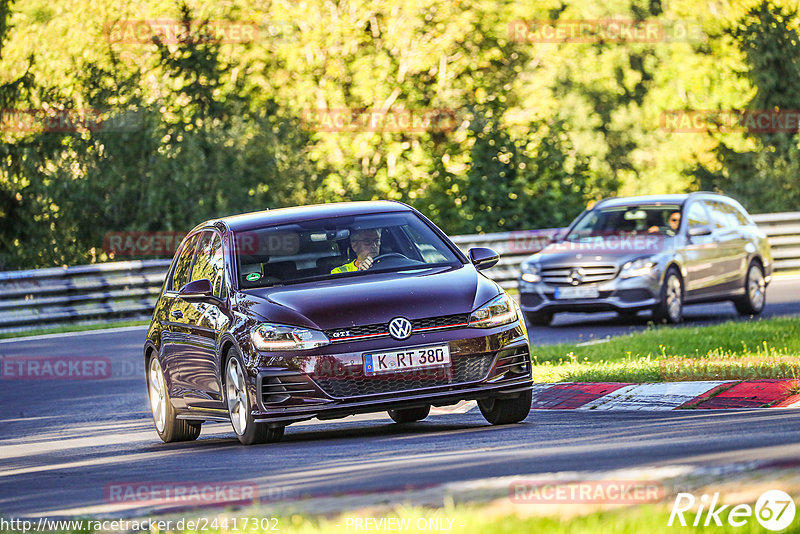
653,253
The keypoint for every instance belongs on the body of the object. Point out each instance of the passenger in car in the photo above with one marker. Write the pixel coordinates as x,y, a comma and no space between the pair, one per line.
366,244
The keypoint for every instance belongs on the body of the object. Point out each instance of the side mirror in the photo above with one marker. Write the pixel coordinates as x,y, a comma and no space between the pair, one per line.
697,231
197,290
483,258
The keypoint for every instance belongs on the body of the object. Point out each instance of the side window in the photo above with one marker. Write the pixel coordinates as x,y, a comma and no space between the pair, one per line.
183,265
743,219
697,215
202,264
210,263
719,215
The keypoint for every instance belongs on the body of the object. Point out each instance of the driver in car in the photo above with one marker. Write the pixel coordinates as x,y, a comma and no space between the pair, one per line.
673,222
366,244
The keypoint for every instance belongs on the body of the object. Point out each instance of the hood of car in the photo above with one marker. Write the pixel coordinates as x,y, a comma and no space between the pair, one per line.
370,299
613,249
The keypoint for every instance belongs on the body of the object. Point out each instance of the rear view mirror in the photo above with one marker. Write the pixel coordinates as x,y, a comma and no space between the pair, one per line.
197,290
483,258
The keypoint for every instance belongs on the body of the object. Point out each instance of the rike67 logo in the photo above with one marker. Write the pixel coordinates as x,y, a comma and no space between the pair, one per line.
774,510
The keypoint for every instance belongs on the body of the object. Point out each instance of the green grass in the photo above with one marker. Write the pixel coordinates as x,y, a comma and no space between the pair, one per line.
649,519
768,348
72,328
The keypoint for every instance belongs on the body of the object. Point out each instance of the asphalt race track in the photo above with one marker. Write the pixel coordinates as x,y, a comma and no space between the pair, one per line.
783,298
64,442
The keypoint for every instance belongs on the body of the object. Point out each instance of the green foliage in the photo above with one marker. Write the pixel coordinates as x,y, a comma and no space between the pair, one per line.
197,128
764,176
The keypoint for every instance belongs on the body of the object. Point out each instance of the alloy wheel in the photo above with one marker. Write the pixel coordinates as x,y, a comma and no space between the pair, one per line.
756,287
158,394
236,393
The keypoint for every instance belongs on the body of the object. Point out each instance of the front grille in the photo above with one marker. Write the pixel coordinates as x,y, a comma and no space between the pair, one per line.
567,275
382,329
463,369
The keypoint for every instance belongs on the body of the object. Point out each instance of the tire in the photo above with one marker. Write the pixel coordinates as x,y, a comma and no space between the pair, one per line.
237,399
755,291
539,318
670,306
499,411
168,426
410,415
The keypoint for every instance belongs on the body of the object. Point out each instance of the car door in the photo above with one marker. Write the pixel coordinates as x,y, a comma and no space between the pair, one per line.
174,331
731,253
200,362
699,252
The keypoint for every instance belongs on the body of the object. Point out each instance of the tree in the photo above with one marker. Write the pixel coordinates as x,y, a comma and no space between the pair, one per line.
764,177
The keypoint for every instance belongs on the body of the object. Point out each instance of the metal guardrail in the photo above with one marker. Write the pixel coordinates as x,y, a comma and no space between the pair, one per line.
127,290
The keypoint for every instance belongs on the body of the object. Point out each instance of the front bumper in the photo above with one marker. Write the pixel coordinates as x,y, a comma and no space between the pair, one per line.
493,362
619,294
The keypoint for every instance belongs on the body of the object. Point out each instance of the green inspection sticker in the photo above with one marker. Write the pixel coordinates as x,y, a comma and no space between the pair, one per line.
252,277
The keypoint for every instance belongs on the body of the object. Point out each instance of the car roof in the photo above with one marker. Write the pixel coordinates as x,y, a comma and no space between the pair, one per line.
676,198
257,219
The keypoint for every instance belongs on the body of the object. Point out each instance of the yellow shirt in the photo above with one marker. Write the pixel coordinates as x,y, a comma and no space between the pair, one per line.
346,268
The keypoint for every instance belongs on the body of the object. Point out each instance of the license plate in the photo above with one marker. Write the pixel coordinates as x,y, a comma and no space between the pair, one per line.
406,359
588,292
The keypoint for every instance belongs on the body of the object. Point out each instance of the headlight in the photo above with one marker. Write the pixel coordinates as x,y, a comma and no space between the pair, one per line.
498,311
531,273
639,267
268,336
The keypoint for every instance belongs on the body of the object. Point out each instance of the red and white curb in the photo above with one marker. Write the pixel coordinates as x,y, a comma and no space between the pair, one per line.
701,395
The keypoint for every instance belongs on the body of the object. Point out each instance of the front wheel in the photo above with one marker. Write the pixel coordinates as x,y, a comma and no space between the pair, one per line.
168,426
670,307
755,289
500,411
240,410
410,415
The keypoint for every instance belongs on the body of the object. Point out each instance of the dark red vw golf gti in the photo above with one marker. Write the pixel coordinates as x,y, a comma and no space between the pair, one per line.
326,311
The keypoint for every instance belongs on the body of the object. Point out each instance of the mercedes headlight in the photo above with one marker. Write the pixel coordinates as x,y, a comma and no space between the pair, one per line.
638,267
531,273
497,312
271,337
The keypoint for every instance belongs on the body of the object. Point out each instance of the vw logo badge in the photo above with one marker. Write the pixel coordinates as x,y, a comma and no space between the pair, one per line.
400,328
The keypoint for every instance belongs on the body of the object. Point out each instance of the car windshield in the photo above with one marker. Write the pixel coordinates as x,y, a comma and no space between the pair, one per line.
326,249
619,220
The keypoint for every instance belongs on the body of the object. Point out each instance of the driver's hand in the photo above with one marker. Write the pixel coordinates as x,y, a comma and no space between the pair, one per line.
653,229
365,264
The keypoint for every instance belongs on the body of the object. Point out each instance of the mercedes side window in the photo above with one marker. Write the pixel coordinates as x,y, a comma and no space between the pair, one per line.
719,215
696,215
743,219
180,276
